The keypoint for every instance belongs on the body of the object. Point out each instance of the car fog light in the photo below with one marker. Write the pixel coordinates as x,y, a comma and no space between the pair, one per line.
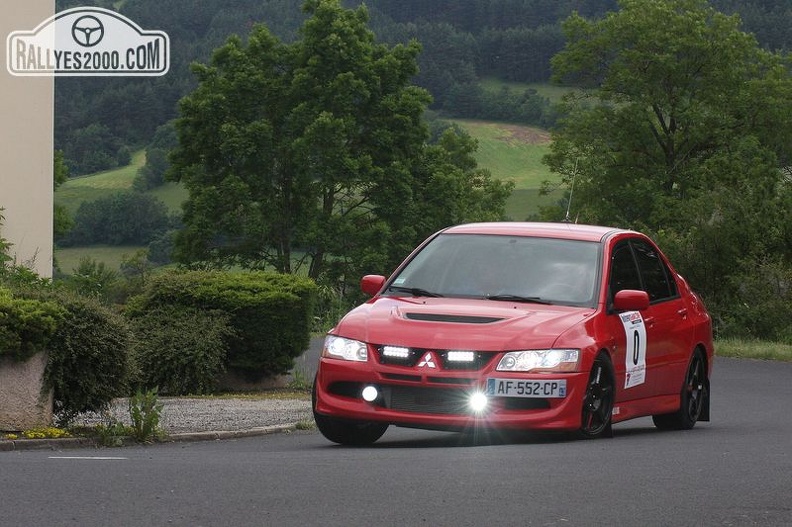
370,394
478,402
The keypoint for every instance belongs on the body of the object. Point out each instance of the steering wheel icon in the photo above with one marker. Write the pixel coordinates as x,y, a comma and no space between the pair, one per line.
87,31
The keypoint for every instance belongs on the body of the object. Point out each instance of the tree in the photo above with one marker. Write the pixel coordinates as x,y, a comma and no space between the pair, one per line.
119,219
681,127
316,145
62,222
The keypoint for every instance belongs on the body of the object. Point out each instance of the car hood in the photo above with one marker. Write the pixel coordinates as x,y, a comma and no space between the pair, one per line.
465,324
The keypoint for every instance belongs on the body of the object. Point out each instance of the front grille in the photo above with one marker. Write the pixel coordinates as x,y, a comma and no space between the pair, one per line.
425,400
451,380
405,378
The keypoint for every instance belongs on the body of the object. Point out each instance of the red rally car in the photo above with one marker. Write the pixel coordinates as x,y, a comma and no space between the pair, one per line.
527,326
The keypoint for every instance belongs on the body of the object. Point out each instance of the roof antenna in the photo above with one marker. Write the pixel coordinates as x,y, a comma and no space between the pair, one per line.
571,190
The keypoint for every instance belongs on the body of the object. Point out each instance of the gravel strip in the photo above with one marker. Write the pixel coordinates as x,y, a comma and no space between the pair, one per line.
184,414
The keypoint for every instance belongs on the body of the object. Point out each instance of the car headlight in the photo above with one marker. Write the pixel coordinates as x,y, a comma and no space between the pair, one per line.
528,360
346,349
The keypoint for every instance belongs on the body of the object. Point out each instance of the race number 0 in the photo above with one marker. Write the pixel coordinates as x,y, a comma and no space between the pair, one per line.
635,358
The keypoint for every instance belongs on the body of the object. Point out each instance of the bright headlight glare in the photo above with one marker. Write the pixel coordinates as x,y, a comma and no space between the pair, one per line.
347,349
551,359
478,402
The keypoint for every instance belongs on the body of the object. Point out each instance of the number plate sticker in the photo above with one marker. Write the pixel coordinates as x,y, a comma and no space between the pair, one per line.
545,389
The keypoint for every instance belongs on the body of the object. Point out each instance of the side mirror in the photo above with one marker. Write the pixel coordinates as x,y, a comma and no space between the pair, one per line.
372,283
631,300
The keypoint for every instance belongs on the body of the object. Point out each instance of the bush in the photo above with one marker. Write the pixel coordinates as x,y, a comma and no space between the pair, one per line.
26,326
92,279
180,350
88,357
88,362
762,306
270,313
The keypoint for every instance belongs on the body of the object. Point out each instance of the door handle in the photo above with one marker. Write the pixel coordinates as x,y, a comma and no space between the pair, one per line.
649,321
682,312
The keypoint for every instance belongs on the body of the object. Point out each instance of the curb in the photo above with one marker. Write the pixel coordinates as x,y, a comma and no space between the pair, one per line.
67,443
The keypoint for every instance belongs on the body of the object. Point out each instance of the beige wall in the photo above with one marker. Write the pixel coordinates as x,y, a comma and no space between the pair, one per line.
26,145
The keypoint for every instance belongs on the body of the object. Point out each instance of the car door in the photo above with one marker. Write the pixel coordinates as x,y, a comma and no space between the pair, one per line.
668,335
628,329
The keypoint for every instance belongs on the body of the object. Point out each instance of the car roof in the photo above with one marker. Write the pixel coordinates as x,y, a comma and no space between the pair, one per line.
566,231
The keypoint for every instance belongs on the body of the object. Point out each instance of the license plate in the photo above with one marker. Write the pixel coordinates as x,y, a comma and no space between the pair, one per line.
545,389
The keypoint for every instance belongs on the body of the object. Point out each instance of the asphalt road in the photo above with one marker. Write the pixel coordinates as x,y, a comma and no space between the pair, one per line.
736,470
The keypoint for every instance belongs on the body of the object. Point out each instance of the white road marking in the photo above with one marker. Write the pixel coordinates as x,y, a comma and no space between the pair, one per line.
101,458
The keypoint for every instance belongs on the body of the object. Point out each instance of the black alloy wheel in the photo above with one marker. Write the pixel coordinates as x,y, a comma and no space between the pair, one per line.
598,401
692,400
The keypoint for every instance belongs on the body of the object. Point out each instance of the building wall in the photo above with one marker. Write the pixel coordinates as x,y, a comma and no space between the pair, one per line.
26,146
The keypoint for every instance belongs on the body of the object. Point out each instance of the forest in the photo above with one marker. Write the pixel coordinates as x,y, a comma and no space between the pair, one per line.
100,121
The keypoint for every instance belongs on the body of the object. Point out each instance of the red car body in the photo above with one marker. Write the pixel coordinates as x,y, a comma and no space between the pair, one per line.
633,340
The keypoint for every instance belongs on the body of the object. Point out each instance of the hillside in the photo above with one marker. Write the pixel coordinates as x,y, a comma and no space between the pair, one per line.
510,152
514,153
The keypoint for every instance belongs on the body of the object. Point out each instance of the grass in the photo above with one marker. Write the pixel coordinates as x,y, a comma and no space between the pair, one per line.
523,203
172,195
112,255
753,349
552,92
88,188
514,153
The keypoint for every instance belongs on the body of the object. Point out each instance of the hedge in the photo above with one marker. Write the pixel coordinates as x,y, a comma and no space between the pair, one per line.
87,344
270,313
180,351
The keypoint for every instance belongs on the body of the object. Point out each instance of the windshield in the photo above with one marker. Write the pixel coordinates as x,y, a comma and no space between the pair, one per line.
508,268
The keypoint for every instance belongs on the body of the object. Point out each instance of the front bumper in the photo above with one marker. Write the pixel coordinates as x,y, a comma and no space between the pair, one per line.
438,399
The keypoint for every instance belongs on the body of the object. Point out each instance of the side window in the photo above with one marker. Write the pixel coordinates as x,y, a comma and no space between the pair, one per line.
624,273
656,276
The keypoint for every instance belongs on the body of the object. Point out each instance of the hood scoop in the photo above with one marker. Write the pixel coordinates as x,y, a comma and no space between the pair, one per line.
456,319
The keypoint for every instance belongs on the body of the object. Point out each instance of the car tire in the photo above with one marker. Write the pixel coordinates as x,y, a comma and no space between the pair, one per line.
695,391
346,432
598,401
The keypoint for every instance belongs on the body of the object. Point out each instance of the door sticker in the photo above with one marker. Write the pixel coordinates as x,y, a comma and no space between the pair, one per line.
635,351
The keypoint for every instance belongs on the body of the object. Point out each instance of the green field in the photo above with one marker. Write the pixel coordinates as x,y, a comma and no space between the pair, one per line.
514,153
552,92
88,188
69,258
172,195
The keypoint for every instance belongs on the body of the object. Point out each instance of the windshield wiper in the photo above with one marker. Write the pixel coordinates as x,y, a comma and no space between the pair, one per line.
518,298
414,291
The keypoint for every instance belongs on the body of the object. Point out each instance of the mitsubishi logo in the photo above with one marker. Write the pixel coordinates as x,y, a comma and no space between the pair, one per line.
428,361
